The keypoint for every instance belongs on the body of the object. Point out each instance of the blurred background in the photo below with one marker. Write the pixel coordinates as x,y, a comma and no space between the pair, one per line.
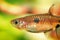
11,9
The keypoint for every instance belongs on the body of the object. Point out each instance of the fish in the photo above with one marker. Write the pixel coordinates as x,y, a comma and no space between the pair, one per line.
37,23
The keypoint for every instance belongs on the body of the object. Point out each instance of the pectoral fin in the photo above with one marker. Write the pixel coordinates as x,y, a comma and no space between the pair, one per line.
55,32
58,31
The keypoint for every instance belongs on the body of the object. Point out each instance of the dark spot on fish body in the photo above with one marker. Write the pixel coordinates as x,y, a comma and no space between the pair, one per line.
36,20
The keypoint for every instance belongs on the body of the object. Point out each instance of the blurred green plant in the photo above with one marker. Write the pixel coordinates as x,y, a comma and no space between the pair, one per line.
7,31
20,1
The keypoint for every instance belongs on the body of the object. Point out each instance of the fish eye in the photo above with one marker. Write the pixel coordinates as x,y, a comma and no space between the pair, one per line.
36,20
16,22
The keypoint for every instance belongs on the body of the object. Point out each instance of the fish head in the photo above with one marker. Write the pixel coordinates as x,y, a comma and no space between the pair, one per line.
18,23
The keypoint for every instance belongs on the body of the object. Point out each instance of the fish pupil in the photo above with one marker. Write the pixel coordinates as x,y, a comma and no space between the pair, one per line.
16,22
36,20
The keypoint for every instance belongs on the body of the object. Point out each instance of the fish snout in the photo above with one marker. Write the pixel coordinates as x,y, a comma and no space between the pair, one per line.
20,24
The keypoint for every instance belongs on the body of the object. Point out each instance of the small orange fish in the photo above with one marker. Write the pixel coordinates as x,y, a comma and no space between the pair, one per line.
37,23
